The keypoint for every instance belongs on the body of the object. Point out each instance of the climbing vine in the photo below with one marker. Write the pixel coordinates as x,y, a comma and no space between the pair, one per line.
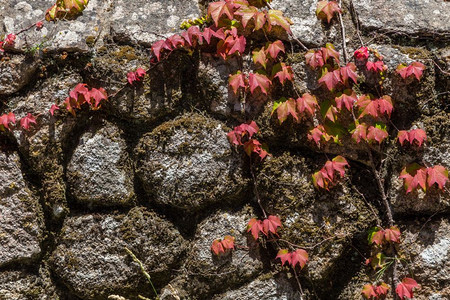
345,114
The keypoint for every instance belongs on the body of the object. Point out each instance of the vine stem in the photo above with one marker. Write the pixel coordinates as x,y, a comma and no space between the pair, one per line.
255,185
344,43
298,283
381,188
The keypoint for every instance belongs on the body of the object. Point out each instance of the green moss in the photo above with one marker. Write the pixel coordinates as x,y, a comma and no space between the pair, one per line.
414,53
90,41
125,53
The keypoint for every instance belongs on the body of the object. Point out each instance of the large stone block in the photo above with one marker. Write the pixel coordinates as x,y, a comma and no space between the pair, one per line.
22,224
100,172
91,259
189,164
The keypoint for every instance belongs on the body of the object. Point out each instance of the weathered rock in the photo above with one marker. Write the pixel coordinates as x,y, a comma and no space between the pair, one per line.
146,22
74,35
100,171
435,151
307,27
213,75
191,163
91,260
428,247
16,73
204,273
42,146
408,17
273,288
311,217
20,285
21,228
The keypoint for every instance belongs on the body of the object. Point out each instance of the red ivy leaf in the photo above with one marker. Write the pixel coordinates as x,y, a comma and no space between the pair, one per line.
377,66
349,71
271,224
284,256
347,99
299,257
413,176
247,13
217,247
26,121
236,81
369,291
282,72
418,135
258,80
327,9
53,108
98,95
416,69
392,234
405,288
219,8
307,103
382,289
274,48
238,45
275,17
330,52
403,136
158,46
360,133
385,105
255,226
331,79
369,107
228,242
6,119
376,134
260,57
437,174
361,53
286,108
314,59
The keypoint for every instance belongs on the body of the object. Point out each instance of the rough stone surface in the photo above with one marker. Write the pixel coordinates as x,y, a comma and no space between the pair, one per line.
307,28
20,285
145,22
75,35
410,17
100,171
205,273
91,260
278,288
191,162
309,218
42,146
428,245
16,73
21,228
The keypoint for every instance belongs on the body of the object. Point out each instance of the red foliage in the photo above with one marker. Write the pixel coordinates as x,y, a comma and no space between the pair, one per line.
219,247
415,68
324,178
406,287
297,257
26,121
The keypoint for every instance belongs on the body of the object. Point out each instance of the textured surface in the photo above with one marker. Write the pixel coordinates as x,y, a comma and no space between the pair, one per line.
91,258
21,229
99,172
191,162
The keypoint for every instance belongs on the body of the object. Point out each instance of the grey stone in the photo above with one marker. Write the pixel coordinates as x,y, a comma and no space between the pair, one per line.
314,217
276,288
418,18
74,35
42,146
21,285
90,257
205,273
100,171
307,27
21,228
145,22
191,163
428,247
16,73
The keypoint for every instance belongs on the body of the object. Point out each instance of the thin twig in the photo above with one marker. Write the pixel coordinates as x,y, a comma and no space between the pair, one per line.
255,185
344,43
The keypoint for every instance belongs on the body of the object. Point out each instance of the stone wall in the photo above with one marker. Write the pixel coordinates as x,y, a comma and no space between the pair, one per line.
153,171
